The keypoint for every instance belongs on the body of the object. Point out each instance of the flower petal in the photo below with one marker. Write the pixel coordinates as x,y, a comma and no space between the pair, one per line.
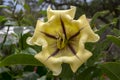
37,39
54,64
70,12
87,31
83,57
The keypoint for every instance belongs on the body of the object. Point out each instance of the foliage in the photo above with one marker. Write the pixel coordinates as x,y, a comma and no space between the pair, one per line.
17,60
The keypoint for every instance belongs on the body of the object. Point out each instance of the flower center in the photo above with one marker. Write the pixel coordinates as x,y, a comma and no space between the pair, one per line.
61,42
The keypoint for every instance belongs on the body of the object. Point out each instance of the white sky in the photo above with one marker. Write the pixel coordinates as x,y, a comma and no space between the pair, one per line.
19,7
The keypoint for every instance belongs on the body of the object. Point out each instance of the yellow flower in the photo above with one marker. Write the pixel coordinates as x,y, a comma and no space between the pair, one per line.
62,39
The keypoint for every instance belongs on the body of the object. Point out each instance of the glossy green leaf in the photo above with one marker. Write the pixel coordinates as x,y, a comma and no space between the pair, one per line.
112,70
23,59
114,39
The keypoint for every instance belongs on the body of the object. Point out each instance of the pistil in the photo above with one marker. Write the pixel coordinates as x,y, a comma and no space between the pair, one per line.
62,42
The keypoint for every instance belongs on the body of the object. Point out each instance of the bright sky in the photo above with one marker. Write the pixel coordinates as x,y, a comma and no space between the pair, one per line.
19,7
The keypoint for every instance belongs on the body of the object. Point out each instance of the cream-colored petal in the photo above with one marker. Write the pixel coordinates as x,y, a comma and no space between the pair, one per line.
87,31
54,64
37,39
83,57
70,12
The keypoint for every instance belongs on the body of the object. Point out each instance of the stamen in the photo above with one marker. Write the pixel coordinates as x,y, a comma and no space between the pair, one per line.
61,42
63,27
49,35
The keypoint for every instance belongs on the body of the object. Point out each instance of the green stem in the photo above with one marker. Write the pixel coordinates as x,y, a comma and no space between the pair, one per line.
5,38
21,41
21,37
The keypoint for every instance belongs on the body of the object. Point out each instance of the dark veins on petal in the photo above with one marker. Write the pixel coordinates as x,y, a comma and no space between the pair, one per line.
49,35
54,53
73,50
63,28
76,34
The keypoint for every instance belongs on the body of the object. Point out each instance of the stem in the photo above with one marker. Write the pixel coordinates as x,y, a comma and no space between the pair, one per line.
56,78
21,36
14,8
5,38
21,41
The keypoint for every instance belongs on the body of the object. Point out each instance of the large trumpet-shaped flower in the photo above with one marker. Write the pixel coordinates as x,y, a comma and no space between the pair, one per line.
62,39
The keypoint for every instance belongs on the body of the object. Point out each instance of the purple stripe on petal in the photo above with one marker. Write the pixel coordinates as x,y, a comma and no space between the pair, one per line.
63,28
73,50
49,35
76,34
54,53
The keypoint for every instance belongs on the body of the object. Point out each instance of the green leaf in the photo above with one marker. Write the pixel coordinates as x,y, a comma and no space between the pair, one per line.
103,29
40,2
42,78
22,40
27,7
5,76
43,12
10,23
86,74
89,73
30,76
118,8
3,69
96,49
3,6
97,15
112,70
23,59
114,39
66,73
116,32
2,20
